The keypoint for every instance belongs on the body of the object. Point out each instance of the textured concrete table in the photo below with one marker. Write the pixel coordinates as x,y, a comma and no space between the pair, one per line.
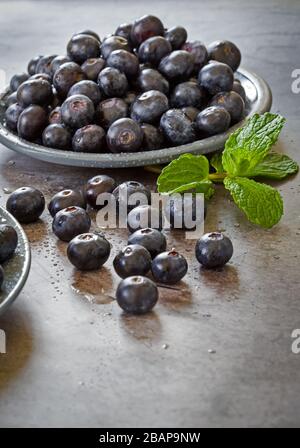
73,359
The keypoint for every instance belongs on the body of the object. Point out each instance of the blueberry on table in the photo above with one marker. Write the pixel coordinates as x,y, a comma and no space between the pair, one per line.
87,88
191,112
66,76
113,43
132,260
213,120
145,27
225,51
144,216
124,61
188,93
82,47
55,116
12,114
64,199
44,65
26,204
70,222
216,77
17,80
137,295
77,111
96,186
124,30
109,111
149,106
8,242
232,102
35,91
88,251
199,52
92,67
125,190
152,239
57,136
238,88
177,35
124,135
57,62
32,121
31,67
112,82
177,66
153,137
169,267
151,79
213,250
152,50
90,138
177,127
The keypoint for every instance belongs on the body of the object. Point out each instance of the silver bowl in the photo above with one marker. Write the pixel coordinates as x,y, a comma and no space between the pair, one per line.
259,100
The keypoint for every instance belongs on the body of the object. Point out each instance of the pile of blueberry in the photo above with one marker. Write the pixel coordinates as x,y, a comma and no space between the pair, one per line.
142,88
8,244
146,250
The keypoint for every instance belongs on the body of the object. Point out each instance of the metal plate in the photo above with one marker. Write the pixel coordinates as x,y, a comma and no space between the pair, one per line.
259,100
16,269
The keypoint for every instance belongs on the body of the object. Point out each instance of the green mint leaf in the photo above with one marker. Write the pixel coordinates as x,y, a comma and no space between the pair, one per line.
184,170
275,166
248,146
216,162
261,203
204,186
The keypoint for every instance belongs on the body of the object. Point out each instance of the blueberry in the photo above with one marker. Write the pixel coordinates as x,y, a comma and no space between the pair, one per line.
149,106
137,295
177,66
57,136
169,267
225,51
124,30
57,62
238,88
26,204
96,186
124,61
145,27
124,191
199,52
77,111
181,210
177,127
213,120
216,77
87,88
92,67
41,77
124,135
176,36
1,276
112,82
64,199
132,260
11,99
17,80
191,112
113,43
35,91
70,222
144,216
31,67
82,47
188,94
213,250
232,102
110,110
44,65
32,122
66,76
152,50
55,116
153,137
150,79
12,114
152,239
88,251
8,242
89,33
90,138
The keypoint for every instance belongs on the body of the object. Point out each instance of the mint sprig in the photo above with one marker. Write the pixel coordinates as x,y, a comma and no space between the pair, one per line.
246,155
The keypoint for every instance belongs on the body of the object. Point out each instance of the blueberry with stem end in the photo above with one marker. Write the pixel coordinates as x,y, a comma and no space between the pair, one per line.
213,250
132,260
88,251
64,199
96,186
169,267
70,222
26,204
137,295
152,239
